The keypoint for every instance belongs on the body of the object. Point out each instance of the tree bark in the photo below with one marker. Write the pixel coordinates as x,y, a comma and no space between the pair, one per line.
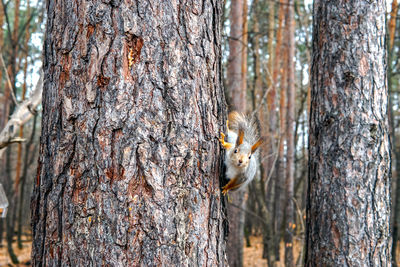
348,207
129,160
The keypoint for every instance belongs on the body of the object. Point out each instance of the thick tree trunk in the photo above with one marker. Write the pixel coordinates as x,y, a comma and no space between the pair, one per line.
130,161
348,208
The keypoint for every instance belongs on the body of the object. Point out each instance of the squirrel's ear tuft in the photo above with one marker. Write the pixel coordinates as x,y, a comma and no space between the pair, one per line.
239,139
256,145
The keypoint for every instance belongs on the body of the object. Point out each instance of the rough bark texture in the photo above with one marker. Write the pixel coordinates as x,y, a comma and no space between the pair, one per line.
130,162
348,206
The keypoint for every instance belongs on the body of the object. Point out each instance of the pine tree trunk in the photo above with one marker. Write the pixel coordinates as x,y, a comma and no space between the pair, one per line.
129,161
348,207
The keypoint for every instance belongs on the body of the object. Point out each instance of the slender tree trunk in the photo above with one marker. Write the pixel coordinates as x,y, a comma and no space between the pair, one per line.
281,163
18,176
21,128
2,121
237,91
289,184
392,23
12,65
348,209
8,109
244,51
1,232
29,154
234,69
130,161
396,215
273,70
396,202
10,219
266,149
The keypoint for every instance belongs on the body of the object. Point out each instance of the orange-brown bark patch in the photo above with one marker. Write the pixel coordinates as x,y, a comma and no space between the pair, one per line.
132,49
65,68
90,30
102,81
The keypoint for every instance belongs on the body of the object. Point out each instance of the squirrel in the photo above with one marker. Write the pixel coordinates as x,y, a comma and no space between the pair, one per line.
241,147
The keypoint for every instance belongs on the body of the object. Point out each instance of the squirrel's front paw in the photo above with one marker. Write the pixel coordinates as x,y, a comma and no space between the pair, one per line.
223,143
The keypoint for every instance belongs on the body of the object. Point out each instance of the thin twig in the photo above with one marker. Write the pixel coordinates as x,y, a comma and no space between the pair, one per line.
251,213
11,88
26,24
7,20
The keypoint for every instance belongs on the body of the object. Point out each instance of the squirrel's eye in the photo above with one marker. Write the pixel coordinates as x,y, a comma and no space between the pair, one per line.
235,151
250,157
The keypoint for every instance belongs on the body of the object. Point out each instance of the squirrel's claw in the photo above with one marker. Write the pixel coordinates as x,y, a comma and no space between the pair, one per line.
225,193
224,190
223,143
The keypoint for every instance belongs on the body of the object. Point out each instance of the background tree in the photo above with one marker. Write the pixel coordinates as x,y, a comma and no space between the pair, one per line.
265,76
289,183
129,160
348,205
236,88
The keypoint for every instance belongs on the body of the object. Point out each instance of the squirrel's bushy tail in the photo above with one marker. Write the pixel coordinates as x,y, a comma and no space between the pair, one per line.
250,126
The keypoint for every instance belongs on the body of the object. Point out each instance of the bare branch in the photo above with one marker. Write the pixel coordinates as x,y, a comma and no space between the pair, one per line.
13,140
21,115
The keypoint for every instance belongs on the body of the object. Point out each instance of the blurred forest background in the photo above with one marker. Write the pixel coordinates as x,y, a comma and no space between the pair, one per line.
257,47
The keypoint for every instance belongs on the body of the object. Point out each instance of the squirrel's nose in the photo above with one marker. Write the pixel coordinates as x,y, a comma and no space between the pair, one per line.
240,161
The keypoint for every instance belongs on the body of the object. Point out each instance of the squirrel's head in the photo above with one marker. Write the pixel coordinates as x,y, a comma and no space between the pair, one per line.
242,152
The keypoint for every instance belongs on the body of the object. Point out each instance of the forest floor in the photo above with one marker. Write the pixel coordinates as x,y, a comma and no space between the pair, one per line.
252,256
24,254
